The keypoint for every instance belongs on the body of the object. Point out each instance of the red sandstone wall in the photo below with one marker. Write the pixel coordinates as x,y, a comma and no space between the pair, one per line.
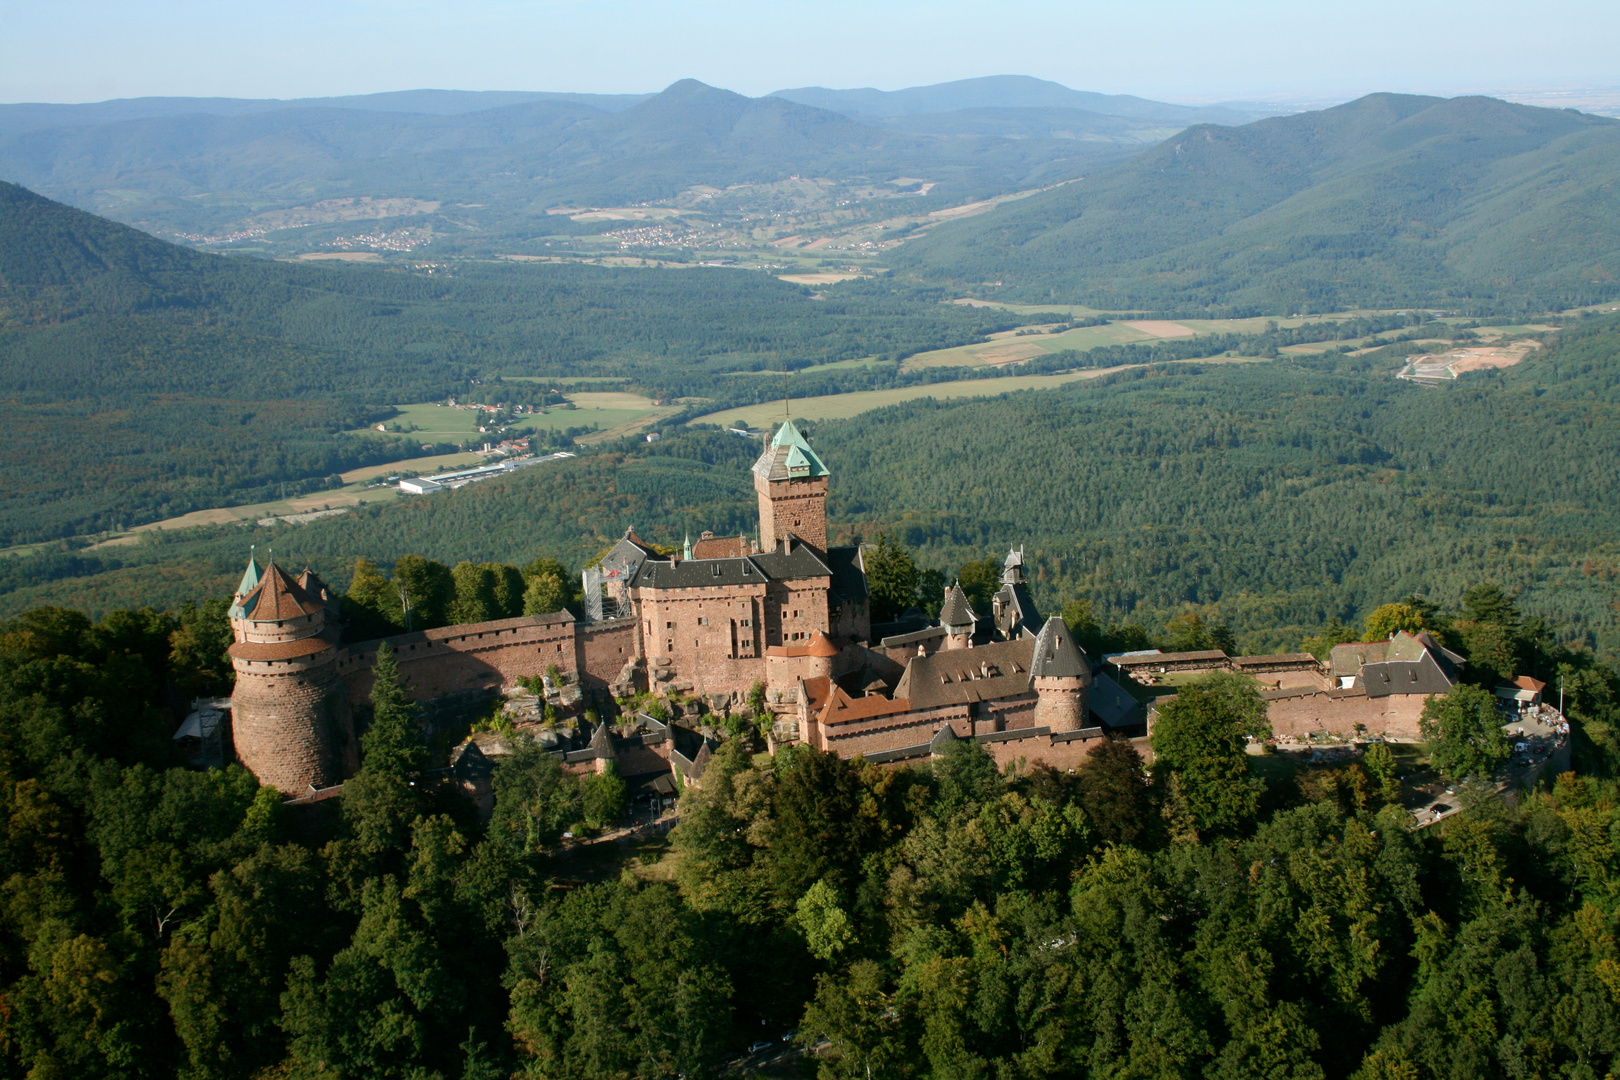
604,648
479,656
284,726
1395,716
722,654
1025,754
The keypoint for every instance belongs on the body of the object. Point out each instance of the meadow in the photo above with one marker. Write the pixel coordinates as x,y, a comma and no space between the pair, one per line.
843,406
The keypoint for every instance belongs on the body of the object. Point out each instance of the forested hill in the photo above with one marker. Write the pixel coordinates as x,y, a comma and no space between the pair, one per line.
142,380
1272,497
1387,201
500,166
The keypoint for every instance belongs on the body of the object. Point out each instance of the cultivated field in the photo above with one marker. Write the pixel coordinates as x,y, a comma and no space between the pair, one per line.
841,406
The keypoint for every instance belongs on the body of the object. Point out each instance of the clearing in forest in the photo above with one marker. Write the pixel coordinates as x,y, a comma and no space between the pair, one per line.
1433,368
842,406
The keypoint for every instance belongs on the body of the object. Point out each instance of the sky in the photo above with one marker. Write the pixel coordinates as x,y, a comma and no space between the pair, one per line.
1179,50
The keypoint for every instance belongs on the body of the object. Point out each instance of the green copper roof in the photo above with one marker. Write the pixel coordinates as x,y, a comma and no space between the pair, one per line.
801,460
250,581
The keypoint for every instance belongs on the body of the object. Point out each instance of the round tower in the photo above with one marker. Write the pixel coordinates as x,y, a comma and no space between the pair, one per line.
289,713
1061,677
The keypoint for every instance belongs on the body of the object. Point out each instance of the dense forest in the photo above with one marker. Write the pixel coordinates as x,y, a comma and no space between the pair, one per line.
1270,497
1203,917
1387,201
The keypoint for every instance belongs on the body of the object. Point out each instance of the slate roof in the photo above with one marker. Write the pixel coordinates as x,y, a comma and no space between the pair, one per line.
1015,611
1056,656
698,574
956,676
943,737
1111,705
1405,664
793,560
789,457
848,573
956,611
1347,659
927,633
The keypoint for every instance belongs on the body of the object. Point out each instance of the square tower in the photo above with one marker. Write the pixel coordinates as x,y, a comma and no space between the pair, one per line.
792,485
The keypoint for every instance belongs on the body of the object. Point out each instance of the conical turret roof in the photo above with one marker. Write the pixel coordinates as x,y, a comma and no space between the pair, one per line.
1056,656
956,610
250,581
277,597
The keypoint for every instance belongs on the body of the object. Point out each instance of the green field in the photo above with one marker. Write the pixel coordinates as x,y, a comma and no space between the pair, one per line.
842,406
612,413
1011,348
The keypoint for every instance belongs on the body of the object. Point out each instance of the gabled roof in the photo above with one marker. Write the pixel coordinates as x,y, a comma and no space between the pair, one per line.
1056,656
983,673
1015,611
792,560
789,457
1012,570
848,573
956,611
278,597
721,547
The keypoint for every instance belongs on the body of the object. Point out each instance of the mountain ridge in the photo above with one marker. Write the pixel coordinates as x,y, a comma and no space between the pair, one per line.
1391,200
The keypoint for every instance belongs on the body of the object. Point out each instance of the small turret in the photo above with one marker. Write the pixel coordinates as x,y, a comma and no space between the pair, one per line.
957,617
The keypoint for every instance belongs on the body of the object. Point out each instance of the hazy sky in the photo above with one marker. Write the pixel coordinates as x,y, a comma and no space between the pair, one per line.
88,50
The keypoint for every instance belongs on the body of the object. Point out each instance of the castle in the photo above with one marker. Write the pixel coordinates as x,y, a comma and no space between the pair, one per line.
789,613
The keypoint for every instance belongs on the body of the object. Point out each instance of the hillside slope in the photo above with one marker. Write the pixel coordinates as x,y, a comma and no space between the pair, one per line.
1006,92
141,379
500,167
1387,201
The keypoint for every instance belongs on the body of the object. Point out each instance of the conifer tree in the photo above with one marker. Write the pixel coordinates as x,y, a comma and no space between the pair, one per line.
393,744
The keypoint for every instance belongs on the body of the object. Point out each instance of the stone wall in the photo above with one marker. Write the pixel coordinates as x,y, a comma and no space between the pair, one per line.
713,639
1302,711
290,726
467,659
603,649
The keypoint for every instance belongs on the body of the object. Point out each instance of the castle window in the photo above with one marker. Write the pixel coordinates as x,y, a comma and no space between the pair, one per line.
745,622
703,620
716,569
669,626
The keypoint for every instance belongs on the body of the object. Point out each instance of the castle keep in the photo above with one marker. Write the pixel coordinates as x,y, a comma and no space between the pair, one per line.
790,613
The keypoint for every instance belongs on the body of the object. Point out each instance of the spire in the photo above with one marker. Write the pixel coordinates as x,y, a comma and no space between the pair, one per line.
956,613
1012,571
1056,656
686,546
250,581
